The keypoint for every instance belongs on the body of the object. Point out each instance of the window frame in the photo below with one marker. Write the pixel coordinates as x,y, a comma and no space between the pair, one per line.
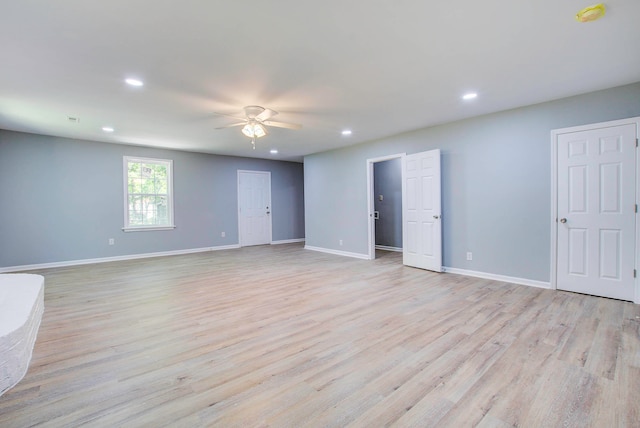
168,163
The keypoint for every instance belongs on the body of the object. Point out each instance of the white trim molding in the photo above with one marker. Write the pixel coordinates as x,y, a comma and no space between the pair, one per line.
338,253
465,272
147,229
495,277
114,259
287,241
386,248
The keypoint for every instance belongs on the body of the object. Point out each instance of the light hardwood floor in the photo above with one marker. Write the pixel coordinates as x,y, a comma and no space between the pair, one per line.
283,337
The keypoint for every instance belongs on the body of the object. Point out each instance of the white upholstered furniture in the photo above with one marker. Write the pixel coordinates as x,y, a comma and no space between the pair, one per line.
21,308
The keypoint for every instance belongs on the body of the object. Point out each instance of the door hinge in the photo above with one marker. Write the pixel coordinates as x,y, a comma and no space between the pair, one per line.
634,273
637,142
636,207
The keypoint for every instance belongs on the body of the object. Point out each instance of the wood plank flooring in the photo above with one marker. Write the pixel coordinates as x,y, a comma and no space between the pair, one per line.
278,336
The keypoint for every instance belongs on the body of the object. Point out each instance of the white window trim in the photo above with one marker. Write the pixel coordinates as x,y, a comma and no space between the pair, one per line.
147,228
125,168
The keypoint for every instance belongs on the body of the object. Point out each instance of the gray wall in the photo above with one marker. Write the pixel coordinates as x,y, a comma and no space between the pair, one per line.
496,179
387,181
62,199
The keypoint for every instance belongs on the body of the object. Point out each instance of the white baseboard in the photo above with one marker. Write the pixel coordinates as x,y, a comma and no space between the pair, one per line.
287,241
475,274
495,277
114,259
385,248
337,252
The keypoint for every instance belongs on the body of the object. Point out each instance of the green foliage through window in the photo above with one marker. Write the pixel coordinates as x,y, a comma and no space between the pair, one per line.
148,193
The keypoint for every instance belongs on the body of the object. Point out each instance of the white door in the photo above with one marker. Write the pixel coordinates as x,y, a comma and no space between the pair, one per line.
421,212
596,211
254,207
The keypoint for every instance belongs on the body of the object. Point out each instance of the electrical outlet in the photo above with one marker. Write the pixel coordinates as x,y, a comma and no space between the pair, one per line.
112,241
341,242
223,234
469,255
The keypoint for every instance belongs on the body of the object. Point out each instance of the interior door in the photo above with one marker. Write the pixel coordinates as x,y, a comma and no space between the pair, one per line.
421,211
254,207
596,211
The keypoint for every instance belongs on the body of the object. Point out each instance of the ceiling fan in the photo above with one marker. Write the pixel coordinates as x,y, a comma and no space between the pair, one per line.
255,123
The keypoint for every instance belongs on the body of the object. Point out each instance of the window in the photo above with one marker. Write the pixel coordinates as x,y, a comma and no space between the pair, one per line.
148,194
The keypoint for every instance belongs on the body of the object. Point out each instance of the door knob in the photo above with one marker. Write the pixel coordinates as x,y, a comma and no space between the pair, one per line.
563,220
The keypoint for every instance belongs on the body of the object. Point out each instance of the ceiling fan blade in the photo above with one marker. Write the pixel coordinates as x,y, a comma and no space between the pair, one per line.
231,125
251,112
229,115
266,114
282,124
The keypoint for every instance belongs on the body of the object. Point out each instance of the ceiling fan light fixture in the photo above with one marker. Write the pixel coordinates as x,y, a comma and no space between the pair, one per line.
254,130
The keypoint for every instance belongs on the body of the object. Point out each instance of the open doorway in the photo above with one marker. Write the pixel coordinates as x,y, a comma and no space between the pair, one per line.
385,204
421,219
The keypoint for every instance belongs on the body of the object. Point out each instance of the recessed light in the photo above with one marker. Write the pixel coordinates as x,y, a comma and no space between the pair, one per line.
469,96
346,132
134,82
107,129
273,151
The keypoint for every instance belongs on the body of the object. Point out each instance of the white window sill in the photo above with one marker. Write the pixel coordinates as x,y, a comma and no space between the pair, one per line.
147,228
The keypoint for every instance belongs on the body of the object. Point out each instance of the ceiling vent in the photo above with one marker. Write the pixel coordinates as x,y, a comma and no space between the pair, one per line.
73,119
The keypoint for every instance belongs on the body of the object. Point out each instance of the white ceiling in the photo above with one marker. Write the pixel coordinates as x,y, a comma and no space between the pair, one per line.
376,67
